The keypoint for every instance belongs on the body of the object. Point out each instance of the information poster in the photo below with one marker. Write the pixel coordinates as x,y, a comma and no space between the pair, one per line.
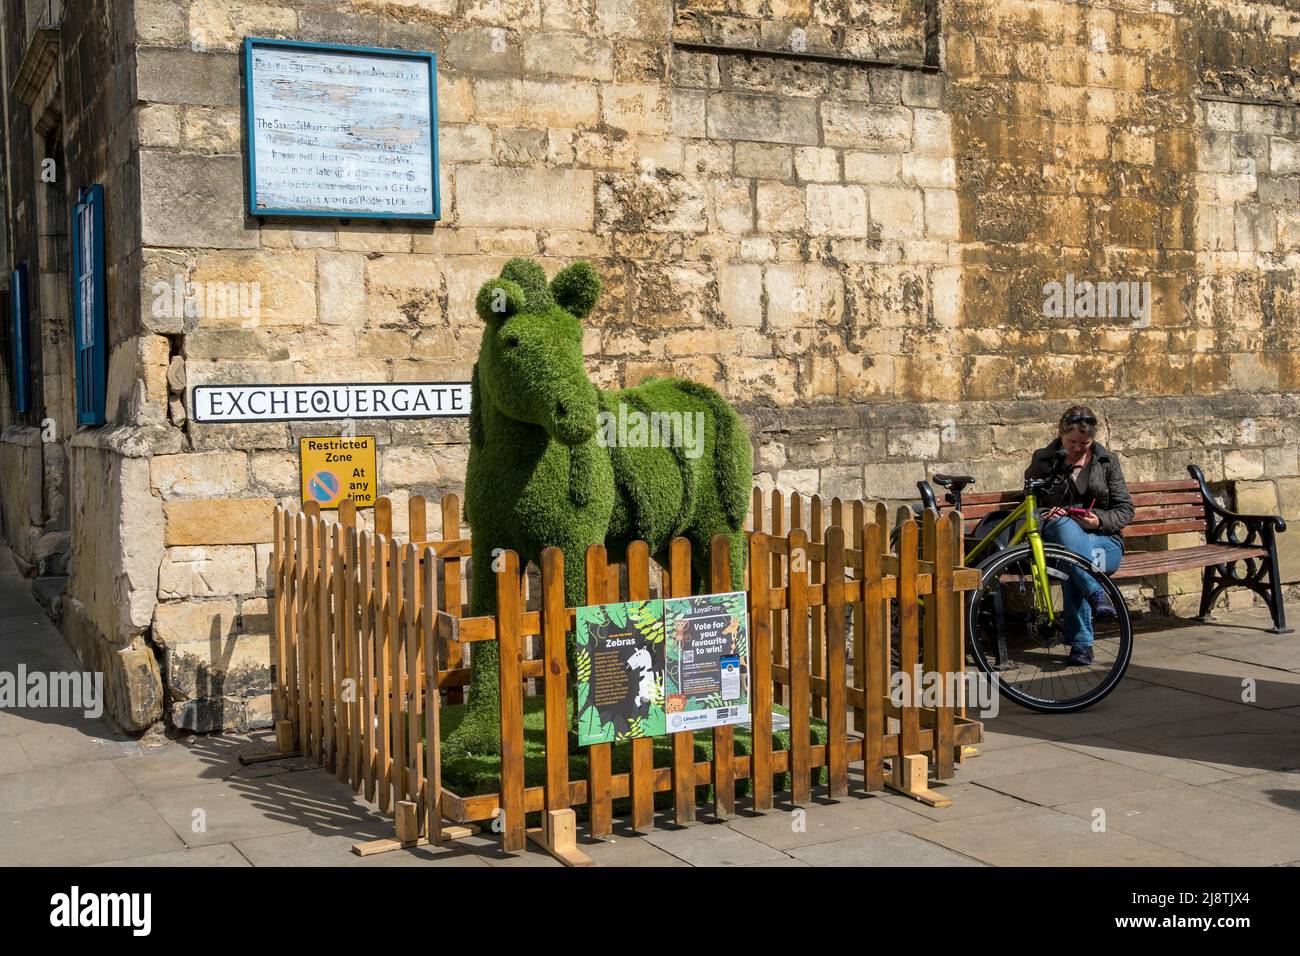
619,656
346,131
707,661
335,469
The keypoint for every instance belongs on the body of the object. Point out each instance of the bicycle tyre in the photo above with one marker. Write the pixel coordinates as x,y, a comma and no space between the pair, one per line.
992,571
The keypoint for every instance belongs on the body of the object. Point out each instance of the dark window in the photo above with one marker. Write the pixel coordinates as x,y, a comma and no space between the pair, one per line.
88,304
21,337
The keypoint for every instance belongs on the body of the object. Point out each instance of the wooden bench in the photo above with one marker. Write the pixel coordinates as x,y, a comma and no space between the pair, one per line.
1239,550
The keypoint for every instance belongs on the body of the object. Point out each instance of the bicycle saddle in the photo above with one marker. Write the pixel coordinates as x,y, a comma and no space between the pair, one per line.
954,483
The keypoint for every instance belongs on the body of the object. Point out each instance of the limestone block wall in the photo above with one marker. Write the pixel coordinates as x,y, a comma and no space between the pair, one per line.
21,505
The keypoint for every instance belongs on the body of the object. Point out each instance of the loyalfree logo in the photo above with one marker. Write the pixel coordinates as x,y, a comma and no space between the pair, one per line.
74,908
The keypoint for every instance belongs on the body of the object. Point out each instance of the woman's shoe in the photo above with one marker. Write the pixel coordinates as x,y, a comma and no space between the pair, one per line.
1081,654
1101,606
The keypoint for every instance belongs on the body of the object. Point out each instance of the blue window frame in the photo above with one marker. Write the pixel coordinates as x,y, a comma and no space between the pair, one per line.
22,343
88,289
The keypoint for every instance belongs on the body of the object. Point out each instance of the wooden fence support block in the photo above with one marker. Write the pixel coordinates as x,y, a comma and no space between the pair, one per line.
408,825
284,736
912,777
558,835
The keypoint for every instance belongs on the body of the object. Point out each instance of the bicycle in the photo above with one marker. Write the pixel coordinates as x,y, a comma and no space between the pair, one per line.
1013,619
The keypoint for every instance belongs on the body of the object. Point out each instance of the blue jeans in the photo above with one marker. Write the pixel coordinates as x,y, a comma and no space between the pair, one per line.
1102,551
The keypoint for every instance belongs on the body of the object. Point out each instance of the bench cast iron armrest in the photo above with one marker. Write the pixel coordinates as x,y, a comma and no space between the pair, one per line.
1219,520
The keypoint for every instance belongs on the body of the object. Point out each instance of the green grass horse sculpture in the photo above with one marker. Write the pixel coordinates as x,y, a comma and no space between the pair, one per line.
556,462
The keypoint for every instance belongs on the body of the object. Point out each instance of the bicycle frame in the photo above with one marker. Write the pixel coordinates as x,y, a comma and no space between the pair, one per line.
1026,510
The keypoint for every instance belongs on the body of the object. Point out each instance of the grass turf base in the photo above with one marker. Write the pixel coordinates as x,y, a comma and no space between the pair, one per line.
471,775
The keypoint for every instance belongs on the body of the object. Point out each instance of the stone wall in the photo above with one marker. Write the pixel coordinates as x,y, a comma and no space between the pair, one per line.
21,506
848,232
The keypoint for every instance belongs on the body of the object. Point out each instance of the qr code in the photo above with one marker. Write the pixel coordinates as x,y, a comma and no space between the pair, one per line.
688,657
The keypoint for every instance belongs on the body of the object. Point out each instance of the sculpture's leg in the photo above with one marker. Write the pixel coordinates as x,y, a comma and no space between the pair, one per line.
702,557
480,731
575,595
739,555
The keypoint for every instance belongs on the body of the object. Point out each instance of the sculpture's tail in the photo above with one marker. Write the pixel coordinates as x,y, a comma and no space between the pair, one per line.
733,456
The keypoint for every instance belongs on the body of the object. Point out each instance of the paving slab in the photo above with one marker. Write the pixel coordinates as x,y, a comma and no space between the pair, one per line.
13,759
219,854
1279,791
889,848
177,766
63,785
1001,732
313,797
1134,703
82,833
486,849
968,800
1282,652
1173,768
1215,827
788,861
52,745
715,844
317,848
13,722
1095,780
624,849
1225,679
1247,741
785,827
231,813
1041,837
1194,640
1039,756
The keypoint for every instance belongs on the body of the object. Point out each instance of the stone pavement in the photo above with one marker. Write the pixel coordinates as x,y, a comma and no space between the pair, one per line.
1185,773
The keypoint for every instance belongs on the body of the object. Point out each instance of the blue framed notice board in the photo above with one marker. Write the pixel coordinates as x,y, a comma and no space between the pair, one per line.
342,131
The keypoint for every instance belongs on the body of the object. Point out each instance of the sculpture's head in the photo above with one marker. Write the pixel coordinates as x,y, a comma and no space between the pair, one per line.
530,364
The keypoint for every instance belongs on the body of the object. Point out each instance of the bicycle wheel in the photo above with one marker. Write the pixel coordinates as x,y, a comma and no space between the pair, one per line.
1013,642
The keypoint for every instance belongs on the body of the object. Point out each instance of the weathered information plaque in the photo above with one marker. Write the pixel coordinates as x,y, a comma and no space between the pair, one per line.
341,131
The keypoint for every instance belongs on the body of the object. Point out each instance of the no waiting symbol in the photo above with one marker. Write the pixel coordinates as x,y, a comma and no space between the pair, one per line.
324,485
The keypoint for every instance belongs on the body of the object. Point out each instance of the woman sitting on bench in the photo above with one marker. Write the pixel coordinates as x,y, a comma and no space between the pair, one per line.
1086,517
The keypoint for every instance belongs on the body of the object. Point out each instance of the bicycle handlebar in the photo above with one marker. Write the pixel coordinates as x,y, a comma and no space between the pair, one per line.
1060,473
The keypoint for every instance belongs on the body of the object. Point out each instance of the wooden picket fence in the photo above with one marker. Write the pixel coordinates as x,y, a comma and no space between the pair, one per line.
371,632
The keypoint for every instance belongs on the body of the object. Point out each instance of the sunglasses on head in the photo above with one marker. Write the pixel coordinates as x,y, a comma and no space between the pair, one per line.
1079,420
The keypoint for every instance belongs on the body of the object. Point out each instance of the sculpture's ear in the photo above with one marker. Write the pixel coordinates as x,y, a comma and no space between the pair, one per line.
576,287
499,299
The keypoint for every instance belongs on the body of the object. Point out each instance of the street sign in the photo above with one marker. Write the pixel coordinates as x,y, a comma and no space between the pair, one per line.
336,468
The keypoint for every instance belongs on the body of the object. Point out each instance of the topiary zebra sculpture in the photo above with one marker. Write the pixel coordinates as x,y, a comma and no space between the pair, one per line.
555,461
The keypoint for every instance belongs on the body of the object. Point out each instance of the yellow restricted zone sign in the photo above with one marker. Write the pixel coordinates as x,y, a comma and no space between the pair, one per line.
335,469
